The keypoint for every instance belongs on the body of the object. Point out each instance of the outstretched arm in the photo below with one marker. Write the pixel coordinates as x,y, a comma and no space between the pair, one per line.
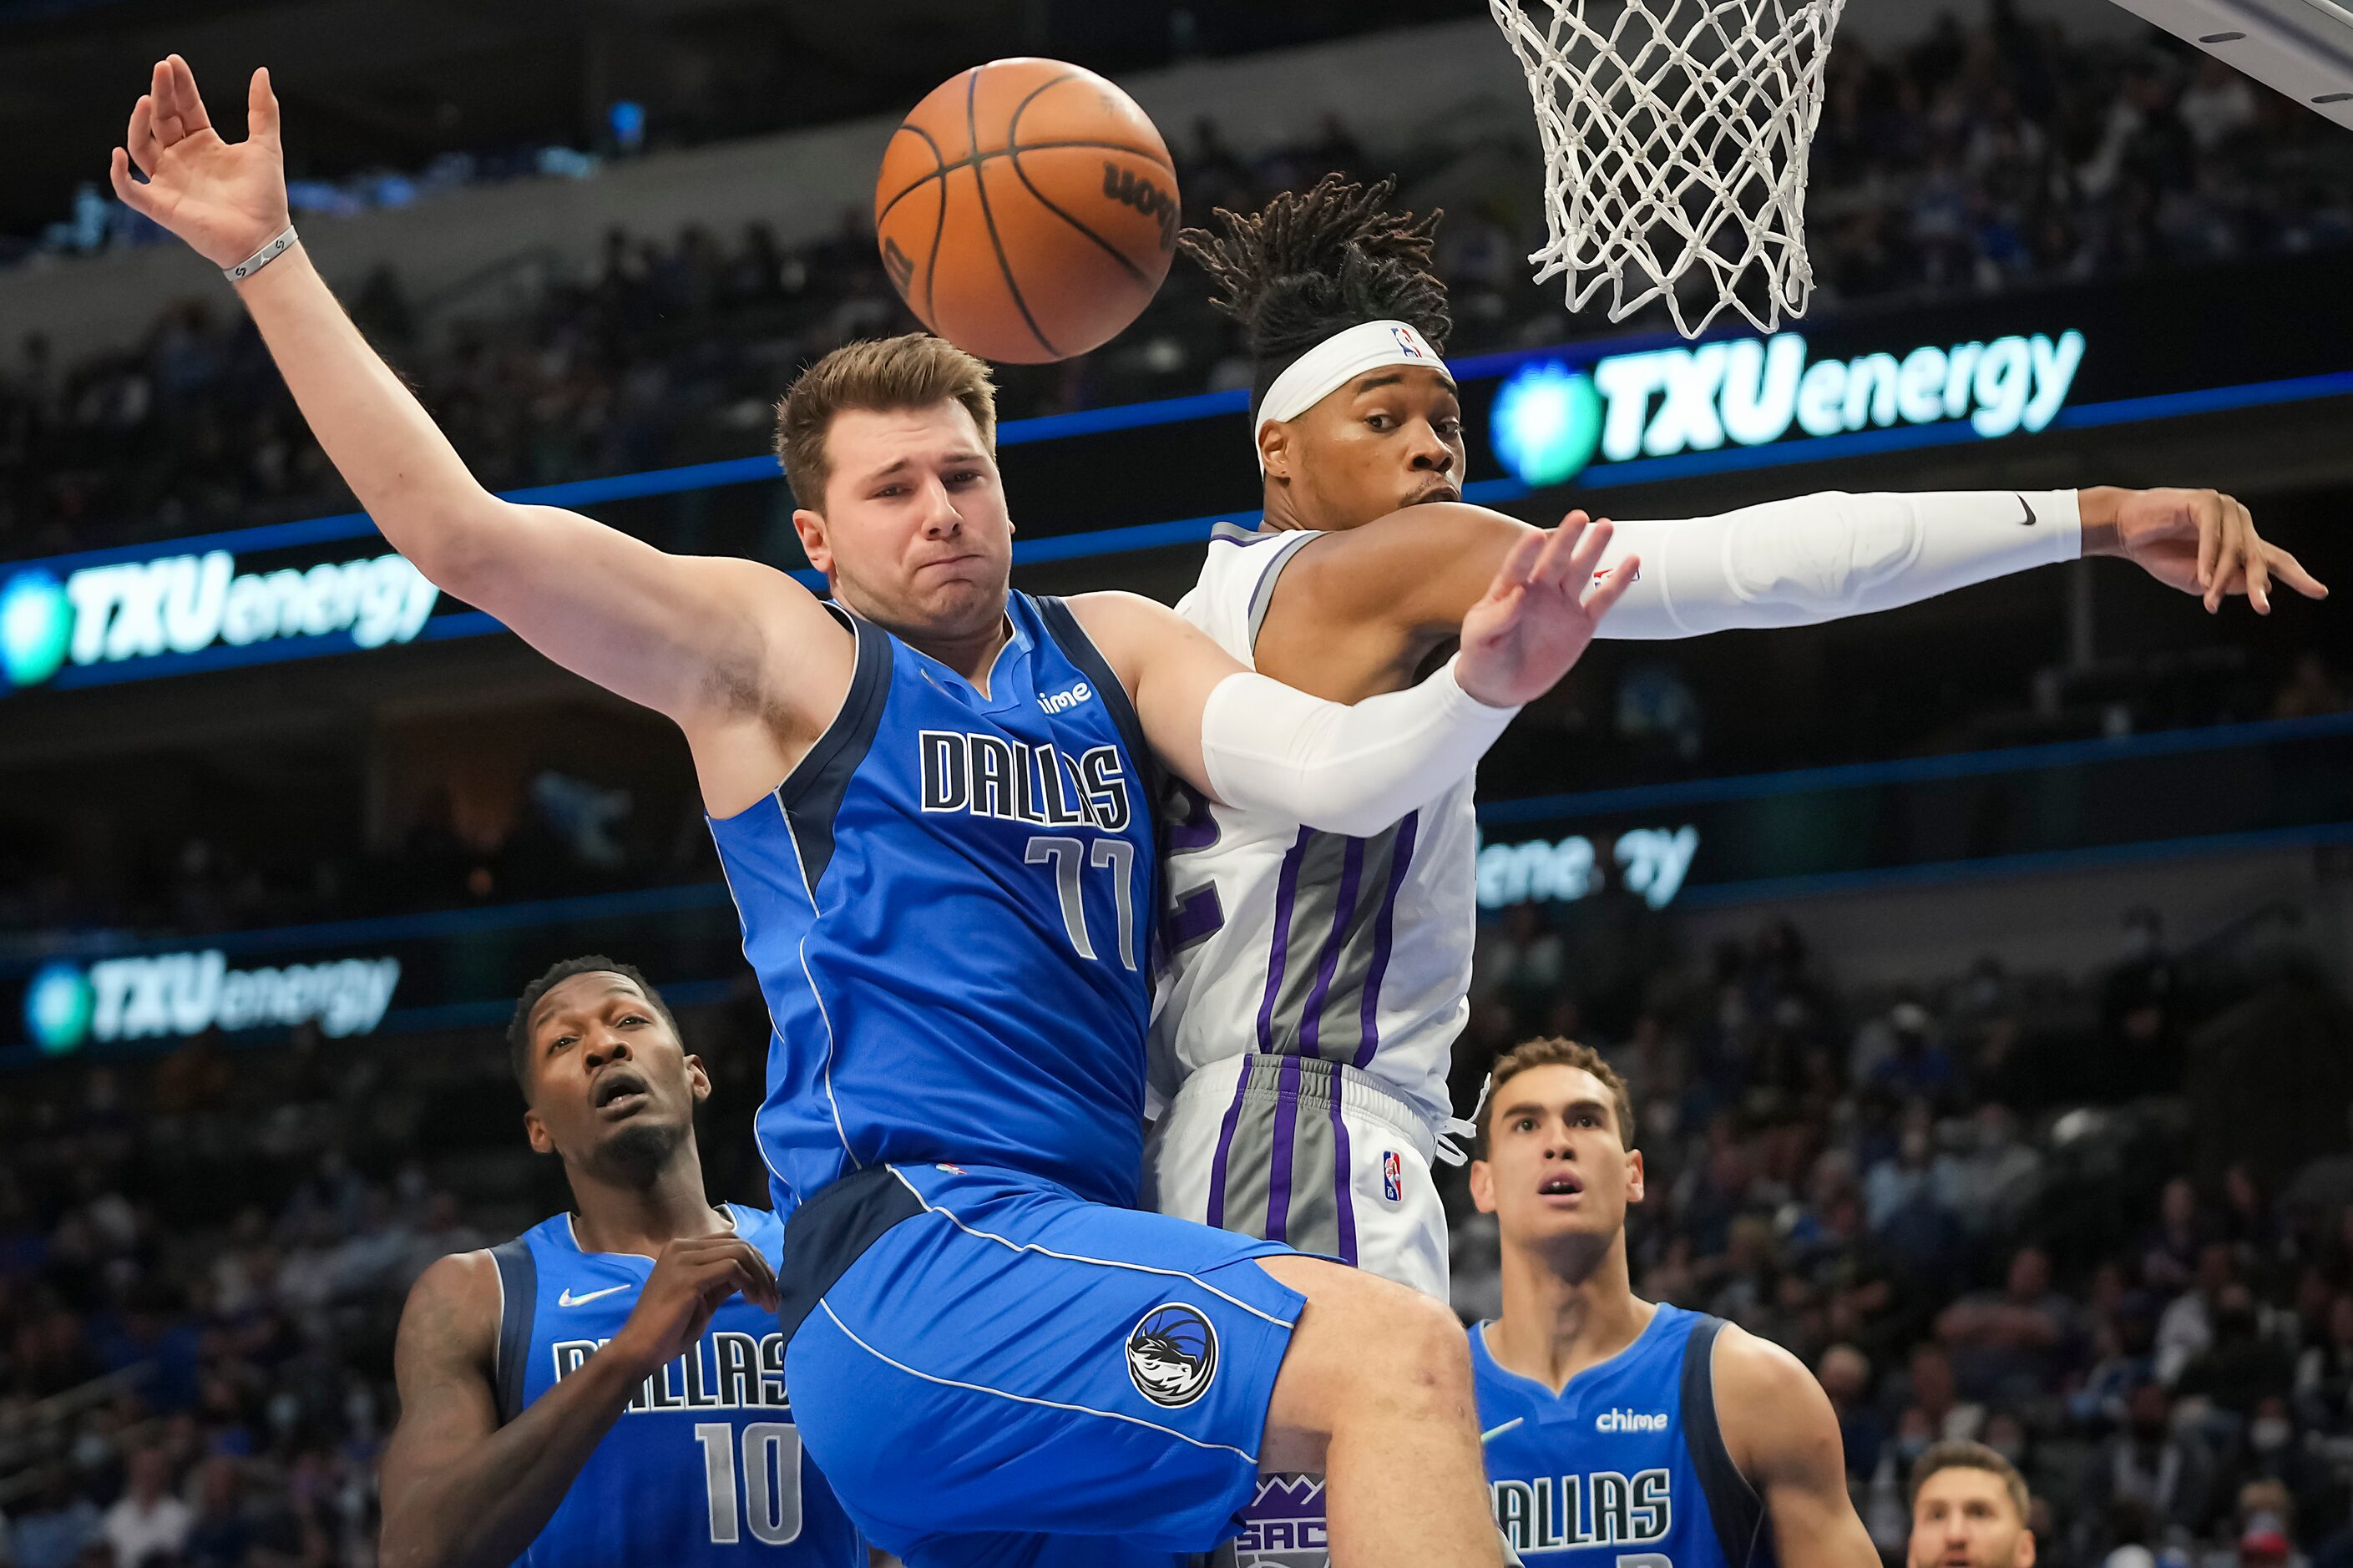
1248,741
1355,609
694,638
1784,1438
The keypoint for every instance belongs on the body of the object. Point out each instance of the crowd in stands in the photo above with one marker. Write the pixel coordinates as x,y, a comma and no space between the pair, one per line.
1912,1193
1974,161
1962,1204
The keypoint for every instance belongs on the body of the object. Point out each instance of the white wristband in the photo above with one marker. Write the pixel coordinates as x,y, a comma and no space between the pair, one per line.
262,257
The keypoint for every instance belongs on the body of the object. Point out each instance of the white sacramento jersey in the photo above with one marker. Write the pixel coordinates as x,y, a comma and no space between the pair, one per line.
1312,981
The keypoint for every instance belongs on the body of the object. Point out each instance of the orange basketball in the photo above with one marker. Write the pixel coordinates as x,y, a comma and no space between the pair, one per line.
1027,210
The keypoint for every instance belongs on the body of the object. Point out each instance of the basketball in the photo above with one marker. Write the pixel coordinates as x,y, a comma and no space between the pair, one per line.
1027,210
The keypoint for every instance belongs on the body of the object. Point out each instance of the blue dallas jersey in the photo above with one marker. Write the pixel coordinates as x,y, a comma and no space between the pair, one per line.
1626,1466
705,1466
948,907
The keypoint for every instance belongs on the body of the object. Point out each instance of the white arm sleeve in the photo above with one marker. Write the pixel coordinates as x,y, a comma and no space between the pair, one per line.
1339,768
1818,557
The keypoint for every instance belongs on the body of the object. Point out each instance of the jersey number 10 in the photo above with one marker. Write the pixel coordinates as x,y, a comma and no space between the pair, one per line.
771,1476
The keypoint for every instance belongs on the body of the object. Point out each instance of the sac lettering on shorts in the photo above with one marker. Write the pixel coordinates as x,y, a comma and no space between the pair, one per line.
1283,1526
1554,1513
1172,1355
1013,781
724,1371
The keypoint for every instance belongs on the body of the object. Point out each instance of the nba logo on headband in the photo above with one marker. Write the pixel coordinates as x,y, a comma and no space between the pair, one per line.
1409,341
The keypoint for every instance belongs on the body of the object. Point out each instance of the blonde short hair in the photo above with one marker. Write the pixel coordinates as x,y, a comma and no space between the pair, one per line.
914,370
1955,1454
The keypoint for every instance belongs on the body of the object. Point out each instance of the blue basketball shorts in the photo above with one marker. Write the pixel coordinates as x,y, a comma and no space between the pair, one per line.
995,1374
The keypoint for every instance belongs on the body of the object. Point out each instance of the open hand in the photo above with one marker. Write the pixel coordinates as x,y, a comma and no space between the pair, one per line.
691,1280
226,199
2200,542
1540,612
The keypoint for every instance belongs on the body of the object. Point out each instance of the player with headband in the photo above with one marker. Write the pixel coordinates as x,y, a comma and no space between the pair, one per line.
1317,982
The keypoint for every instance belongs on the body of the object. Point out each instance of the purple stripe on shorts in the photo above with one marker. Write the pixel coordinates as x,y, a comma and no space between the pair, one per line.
1351,872
1344,1191
1368,1038
1286,1127
1286,889
1225,1147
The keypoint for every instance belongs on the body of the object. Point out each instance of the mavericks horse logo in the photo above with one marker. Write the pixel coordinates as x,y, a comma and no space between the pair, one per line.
1172,1355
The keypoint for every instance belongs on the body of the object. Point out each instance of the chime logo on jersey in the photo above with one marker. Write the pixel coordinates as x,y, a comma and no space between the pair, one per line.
1392,1175
1172,1355
988,775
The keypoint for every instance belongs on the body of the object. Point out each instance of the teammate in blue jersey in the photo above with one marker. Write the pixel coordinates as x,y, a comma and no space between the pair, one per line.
1619,1431
608,1387
929,796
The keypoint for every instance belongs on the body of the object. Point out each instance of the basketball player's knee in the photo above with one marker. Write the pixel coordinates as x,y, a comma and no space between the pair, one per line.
1423,1358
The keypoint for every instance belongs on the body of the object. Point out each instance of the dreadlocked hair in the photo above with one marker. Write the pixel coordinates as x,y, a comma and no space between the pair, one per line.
1309,264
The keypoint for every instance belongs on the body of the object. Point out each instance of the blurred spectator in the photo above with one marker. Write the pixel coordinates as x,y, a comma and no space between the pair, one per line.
2012,1342
2147,1470
52,1532
147,1523
1845,1374
2187,1327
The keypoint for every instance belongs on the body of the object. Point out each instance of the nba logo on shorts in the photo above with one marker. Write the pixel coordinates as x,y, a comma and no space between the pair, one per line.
1392,1175
1172,1355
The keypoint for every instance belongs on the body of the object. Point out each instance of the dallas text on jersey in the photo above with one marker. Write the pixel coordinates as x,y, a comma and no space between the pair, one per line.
1605,1509
988,775
725,1370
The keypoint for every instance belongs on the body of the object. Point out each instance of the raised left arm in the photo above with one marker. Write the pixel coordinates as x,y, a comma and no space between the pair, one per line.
1784,1437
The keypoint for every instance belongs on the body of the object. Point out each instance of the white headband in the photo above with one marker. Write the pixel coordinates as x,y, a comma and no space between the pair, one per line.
1336,362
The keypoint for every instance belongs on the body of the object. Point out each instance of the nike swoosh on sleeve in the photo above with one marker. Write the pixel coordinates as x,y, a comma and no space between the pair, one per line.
2030,520
569,1300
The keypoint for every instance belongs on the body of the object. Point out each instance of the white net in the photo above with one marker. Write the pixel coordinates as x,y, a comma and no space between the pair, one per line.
1674,141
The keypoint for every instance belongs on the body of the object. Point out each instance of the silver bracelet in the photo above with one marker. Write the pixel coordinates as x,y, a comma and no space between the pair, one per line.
262,257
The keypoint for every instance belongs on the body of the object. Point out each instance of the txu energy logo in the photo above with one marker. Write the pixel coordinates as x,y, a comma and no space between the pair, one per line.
1550,421
36,625
182,603
184,993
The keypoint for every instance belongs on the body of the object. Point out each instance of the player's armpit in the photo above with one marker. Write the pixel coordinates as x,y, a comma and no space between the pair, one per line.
1784,1437
702,640
1355,613
740,655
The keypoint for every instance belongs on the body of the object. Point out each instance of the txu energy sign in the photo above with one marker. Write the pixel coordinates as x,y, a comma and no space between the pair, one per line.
184,604
1551,420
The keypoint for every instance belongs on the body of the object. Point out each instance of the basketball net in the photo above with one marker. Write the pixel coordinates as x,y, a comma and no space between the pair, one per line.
1674,141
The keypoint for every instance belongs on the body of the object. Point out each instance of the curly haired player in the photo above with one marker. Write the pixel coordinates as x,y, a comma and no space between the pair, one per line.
1318,980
